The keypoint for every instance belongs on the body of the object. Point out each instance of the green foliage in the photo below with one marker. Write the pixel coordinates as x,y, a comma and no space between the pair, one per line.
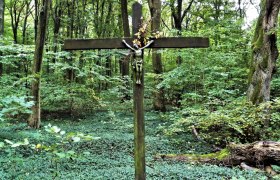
91,89
58,146
203,91
219,73
107,158
14,103
13,107
194,172
275,85
238,121
71,98
16,57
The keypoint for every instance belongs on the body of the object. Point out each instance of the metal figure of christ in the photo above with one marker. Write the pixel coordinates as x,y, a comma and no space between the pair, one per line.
138,71
137,64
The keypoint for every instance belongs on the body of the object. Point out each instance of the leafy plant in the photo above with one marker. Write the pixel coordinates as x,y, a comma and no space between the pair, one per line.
238,121
14,107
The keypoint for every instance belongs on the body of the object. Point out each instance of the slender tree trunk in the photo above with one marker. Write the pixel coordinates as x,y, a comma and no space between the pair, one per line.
108,71
177,17
57,13
83,25
108,61
35,118
155,9
14,22
2,9
1,66
176,12
124,62
240,10
70,34
15,9
125,18
24,30
264,53
36,17
217,14
27,13
15,35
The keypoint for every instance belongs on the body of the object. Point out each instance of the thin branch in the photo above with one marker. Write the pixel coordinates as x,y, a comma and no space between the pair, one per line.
165,24
187,10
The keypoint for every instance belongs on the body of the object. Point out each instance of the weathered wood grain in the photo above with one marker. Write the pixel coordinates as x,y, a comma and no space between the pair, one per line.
116,43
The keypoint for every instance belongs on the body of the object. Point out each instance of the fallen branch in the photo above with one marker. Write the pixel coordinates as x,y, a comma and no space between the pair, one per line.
194,131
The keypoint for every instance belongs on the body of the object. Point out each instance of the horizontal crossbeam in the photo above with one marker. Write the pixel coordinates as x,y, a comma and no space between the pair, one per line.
116,43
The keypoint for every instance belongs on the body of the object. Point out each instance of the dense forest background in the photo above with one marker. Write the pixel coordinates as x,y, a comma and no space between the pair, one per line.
193,83
191,90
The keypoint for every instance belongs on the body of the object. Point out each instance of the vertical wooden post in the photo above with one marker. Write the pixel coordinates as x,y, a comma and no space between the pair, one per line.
138,97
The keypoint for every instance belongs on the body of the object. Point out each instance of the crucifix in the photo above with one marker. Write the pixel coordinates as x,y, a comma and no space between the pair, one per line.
138,71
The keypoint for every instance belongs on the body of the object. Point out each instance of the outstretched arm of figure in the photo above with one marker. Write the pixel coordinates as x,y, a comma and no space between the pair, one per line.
147,45
127,45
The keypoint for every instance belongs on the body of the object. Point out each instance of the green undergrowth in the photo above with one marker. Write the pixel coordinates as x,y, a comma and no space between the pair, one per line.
237,121
110,157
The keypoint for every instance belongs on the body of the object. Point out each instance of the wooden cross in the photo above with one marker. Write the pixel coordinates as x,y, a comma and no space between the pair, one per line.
138,85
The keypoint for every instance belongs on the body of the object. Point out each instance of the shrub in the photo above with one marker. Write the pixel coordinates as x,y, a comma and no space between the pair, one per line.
238,121
14,107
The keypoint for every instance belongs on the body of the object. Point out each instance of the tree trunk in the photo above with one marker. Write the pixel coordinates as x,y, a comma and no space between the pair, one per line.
2,9
263,153
217,13
26,15
155,9
178,14
108,71
15,9
177,18
36,18
264,53
124,62
57,14
125,18
70,76
35,118
1,68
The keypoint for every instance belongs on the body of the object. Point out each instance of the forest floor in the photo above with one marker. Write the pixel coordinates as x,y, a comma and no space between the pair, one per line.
110,157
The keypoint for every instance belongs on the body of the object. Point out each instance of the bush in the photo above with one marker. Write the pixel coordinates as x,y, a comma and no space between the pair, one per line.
238,121
14,107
